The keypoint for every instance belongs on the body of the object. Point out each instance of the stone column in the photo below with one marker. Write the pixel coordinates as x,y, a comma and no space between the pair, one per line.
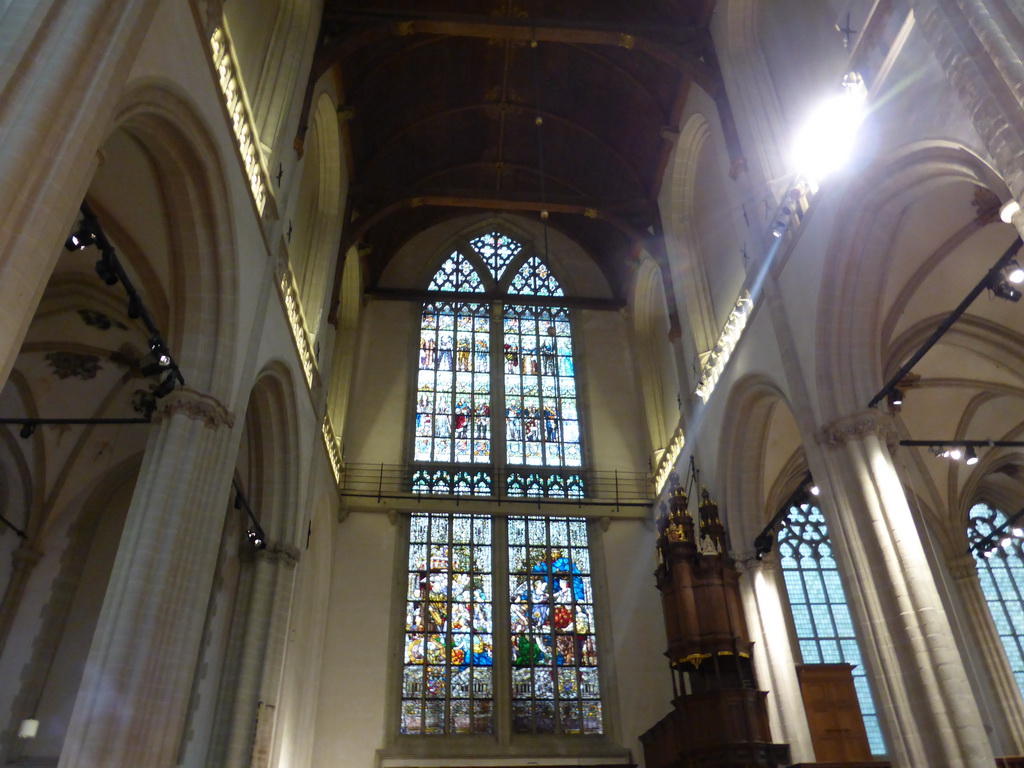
928,710
23,562
285,559
982,635
255,691
132,704
987,75
773,655
62,66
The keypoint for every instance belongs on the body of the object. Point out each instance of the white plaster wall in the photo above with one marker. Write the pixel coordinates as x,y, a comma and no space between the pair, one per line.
353,677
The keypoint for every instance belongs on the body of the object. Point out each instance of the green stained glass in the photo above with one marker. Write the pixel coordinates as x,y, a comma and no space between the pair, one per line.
447,680
554,650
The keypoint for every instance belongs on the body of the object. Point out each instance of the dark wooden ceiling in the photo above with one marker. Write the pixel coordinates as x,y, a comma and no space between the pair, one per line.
440,102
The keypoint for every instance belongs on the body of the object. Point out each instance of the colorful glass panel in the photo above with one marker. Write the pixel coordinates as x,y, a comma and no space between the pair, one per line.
821,616
453,402
535,279
448,677
541,425
457,274
555,687
1001,574
497,251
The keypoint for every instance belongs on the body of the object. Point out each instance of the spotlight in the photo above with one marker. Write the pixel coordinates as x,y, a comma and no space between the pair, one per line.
1004,290
763,544
972,456
27,429
105,269
1014,273
815,490
827,139
165,387
257,538
896,396
955,454
82,239
159,350
778,228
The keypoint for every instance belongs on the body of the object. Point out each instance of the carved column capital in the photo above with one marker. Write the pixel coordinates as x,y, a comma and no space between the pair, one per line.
195,405
25,558
962,566
857,426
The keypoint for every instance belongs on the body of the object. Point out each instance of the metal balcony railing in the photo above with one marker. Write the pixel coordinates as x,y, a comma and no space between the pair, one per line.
561,485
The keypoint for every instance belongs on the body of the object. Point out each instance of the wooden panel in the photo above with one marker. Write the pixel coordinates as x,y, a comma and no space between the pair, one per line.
833,713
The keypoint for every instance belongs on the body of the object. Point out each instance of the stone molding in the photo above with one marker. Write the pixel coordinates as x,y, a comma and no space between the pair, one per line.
195,405
962,566
857,426
280,553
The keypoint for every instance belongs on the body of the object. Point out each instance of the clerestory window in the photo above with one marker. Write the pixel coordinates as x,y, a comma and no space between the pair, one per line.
999,554
496,404
499,604
817,600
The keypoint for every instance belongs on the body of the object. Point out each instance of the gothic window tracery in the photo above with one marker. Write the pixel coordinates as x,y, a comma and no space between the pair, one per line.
818,605
497,388
1001,575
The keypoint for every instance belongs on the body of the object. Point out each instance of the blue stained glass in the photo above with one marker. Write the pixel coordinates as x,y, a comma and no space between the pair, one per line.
820,613
1001,577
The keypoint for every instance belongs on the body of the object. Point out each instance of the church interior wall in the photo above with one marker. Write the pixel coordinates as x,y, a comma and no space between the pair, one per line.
884,254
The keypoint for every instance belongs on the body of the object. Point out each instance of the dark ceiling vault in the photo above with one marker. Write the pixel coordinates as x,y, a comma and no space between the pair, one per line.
439,101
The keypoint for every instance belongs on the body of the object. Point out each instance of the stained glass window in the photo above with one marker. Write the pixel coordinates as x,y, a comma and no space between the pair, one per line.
555,685
449,652
821,616
541,425
497,251
466,382
1001,573
447,684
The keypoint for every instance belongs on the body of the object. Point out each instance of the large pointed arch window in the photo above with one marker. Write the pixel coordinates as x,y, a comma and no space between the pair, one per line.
817,600
496,403
1001,575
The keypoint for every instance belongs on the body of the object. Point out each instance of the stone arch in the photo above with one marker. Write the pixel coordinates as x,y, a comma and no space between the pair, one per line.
346,342
204,273
318,222
682,227
272,49
260,591
752,92
849,306
657,375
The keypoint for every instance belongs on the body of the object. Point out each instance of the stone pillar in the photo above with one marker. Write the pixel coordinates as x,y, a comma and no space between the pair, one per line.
23,562
62,66
132,704
773,656
997,675
987,75
285,558
929,713
255,690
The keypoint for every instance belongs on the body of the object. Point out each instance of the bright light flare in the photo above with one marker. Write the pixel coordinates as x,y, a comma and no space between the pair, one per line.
826,140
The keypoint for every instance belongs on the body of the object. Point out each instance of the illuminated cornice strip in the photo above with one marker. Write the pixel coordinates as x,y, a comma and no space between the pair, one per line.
668,459
297,322
241,118
717,359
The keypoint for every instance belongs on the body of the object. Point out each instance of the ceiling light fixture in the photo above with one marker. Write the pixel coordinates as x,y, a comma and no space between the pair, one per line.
972,456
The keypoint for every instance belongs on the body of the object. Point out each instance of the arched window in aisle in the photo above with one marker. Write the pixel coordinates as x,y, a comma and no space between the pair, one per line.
821,617
496,403
998,551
